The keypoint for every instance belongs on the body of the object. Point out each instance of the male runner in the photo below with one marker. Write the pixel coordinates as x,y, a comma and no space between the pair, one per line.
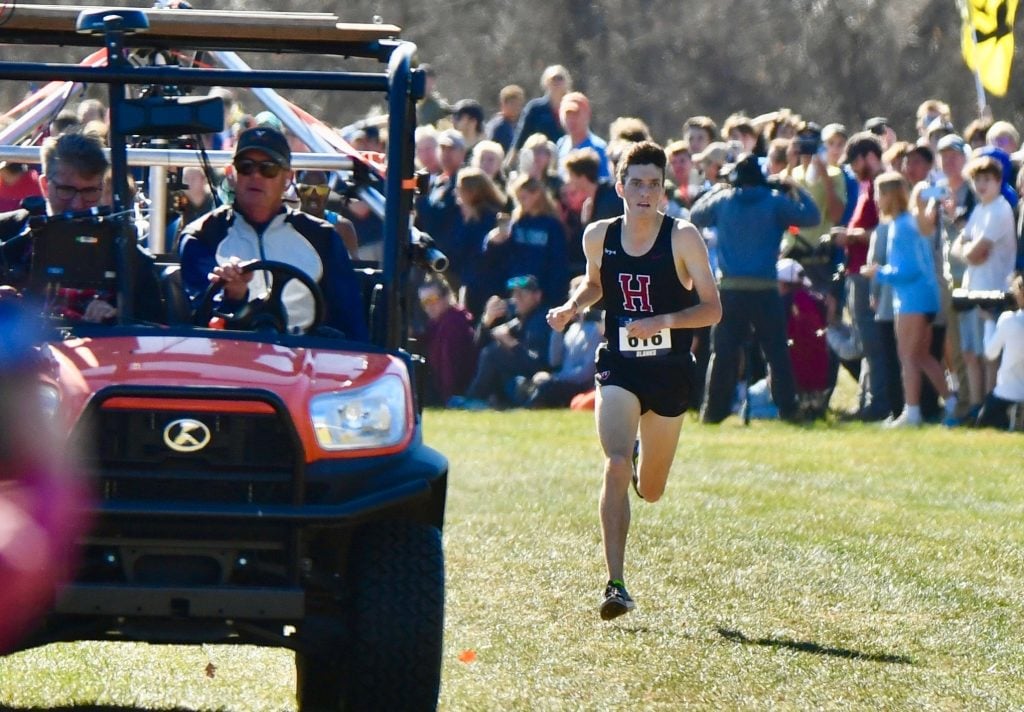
657,285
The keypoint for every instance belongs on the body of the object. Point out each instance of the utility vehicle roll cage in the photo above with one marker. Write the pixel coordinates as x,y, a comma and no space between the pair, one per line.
120,30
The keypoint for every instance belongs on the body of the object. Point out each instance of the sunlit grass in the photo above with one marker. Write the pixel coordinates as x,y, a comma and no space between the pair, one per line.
829,566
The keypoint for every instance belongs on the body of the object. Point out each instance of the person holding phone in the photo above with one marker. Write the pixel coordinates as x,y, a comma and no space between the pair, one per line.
810,169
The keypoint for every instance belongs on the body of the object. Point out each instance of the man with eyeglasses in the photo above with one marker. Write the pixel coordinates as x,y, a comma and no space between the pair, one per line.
74,179
259,226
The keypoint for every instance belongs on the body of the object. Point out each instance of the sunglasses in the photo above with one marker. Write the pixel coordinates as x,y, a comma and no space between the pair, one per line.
267,169
308,191
430,299
68,192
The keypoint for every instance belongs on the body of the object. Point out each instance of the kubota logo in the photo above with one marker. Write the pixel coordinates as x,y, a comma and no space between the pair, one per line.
186,435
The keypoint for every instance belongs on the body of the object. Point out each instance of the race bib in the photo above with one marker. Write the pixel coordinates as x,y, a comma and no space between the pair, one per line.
659,344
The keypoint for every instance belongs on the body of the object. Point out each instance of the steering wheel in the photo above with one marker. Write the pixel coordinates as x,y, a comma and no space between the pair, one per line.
268,310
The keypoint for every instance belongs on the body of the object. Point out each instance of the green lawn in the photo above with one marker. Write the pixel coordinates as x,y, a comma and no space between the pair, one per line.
828,566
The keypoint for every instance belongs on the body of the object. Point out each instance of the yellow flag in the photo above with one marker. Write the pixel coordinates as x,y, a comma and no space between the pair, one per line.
987,41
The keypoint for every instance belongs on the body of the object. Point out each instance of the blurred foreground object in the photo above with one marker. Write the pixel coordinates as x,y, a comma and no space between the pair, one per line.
41,496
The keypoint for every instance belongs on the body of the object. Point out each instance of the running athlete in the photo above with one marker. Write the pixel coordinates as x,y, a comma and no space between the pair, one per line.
657,285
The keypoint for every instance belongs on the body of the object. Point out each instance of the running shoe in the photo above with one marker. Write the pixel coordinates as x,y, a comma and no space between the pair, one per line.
617,601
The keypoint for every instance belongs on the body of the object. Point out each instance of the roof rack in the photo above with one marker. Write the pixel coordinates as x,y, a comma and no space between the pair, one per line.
223,29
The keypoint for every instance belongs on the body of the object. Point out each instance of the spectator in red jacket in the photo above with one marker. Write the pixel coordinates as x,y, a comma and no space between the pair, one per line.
448,342
805,332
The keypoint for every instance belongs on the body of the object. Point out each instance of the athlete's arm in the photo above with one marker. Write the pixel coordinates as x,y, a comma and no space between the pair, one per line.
690,255
590,291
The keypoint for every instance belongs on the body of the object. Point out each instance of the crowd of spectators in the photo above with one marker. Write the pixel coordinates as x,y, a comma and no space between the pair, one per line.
830,272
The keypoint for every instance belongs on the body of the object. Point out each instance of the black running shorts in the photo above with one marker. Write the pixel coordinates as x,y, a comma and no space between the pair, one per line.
665,385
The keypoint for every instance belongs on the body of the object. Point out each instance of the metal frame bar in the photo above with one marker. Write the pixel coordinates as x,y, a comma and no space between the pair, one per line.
400,82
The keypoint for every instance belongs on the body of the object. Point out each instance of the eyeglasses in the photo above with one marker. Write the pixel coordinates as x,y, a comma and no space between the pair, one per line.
68,192
430,299
308,191
267,169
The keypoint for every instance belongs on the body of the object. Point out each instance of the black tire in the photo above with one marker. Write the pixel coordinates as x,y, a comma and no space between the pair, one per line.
396,576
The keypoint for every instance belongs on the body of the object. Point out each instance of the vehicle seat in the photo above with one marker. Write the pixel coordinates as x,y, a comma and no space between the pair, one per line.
179,309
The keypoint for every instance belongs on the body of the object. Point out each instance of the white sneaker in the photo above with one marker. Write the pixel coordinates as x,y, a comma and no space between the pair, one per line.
903,421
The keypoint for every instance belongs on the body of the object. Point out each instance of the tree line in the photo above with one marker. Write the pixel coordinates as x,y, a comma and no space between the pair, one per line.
665,60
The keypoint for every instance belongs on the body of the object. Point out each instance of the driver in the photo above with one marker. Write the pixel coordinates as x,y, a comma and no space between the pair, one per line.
259,226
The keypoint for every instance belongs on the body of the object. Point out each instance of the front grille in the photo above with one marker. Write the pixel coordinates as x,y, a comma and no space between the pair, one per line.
251,457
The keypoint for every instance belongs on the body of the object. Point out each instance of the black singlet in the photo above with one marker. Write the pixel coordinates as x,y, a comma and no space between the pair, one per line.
640,286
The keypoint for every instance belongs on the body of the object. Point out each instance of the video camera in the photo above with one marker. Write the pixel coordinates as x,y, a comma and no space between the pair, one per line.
993,300
76,250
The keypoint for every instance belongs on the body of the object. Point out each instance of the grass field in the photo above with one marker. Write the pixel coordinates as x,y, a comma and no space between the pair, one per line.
819,567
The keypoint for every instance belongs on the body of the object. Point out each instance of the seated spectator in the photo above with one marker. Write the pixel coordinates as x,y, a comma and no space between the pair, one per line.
1006,338
513,334
260,227
447,342
74,179
571,357
805,332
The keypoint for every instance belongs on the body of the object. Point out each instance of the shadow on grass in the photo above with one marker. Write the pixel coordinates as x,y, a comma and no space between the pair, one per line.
802,646
90,708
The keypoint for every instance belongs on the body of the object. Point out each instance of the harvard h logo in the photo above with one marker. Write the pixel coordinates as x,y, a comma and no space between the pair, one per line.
636,292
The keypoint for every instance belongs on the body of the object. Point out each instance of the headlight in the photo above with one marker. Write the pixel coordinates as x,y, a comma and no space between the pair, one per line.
369,417
49,399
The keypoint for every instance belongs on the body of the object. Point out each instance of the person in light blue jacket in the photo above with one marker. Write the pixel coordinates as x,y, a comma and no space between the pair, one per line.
910,272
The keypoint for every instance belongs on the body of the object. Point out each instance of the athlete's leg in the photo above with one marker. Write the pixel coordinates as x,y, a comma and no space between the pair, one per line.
618,414
659,436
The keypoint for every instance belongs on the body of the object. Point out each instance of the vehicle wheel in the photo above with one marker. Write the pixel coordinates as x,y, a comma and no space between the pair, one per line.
396,578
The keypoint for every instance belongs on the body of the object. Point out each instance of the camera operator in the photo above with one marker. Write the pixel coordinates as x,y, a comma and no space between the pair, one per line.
513,338
750,216
75,171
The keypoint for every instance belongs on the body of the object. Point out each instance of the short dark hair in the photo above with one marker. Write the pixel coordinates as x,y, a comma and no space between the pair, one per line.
644,153
81,153
584,162
861,144
470,108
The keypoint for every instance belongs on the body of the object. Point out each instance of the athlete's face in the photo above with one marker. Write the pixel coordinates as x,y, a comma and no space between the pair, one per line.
642,187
